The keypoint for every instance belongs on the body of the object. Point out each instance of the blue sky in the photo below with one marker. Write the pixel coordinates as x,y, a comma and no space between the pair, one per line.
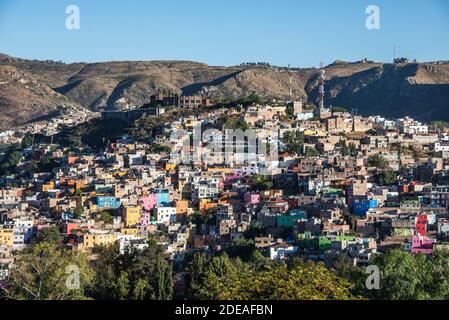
225,32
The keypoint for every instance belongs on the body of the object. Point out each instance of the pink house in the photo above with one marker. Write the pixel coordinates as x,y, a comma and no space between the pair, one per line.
145,218
148,202
422,244
231,177
251,198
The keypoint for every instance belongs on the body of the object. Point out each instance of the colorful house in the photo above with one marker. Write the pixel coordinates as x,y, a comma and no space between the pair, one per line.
251,198
301,214
182,207
7,237
67,227
104,189
363,206
422,244
163,197
170,166
421,224
306,241
145,218
107,202
288,221
205,204
148,202
93,240
131,215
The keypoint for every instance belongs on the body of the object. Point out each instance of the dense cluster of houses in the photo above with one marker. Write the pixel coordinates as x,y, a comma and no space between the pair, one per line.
316,207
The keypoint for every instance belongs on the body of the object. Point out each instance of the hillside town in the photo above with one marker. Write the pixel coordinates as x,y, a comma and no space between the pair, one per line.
339,184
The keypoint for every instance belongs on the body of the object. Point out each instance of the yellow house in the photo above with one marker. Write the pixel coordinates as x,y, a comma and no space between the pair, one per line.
131,216
47,186
129,231
120,173
314,133
7,237
95,240
79,184
218,170
190,122
170,167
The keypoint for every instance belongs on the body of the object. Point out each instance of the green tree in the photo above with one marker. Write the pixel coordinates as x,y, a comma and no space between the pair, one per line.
293,141
259,261
233,279
78,212
50,235
310,152
290,110
11,160
120,288
45,272
164,280
135,274
196,271
140,288
27,141
377,161
261,182
403,276
241,247
259,124
104,216
439,125
387,178
339,109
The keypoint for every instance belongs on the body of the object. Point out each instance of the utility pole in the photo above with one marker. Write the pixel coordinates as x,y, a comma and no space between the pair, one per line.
321,86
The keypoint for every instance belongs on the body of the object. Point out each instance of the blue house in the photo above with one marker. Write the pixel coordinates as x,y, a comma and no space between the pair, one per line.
108,202
300,214
362,207
163,197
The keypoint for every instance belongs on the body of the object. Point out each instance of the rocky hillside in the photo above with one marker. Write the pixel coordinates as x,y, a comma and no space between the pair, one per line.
30,88
24,98
418,90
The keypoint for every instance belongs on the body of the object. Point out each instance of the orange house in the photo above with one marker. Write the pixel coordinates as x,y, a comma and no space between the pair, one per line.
205,204
182,207
72,160
68,227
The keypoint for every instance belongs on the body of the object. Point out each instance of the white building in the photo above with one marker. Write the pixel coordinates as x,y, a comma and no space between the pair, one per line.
441,146
165,215
131,241
282,251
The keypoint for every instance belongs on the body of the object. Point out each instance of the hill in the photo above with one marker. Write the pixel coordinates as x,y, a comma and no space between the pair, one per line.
23,98
34,88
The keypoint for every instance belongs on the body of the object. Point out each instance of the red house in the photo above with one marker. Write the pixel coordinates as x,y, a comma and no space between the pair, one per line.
421,224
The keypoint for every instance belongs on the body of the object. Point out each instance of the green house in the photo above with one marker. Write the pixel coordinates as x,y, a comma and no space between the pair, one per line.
315,243
288,221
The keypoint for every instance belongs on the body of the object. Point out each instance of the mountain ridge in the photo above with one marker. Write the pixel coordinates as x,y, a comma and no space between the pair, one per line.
420,90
